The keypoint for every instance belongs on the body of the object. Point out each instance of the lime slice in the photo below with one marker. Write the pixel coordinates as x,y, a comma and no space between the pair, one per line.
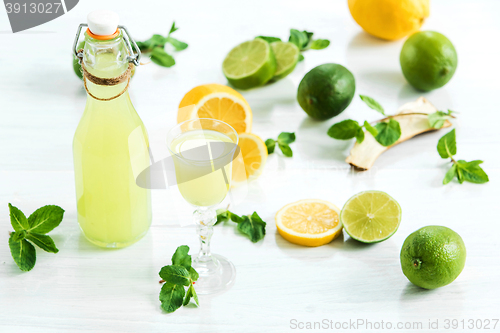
250,64
371,216
287,57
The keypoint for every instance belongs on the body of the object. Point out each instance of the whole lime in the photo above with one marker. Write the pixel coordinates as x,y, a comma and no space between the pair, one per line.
433,256
326,91
428,60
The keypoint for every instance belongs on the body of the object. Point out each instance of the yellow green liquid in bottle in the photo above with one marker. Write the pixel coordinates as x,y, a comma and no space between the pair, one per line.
110,148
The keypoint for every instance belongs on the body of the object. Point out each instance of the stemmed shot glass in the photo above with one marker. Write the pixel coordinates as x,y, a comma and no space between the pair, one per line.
202,150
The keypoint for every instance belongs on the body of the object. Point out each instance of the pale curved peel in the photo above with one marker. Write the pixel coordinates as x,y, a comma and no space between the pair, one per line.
364,155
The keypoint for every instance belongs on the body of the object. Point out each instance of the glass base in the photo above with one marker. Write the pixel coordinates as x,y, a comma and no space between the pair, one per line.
216,274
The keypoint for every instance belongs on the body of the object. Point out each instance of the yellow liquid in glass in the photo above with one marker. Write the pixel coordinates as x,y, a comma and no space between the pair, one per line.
212,186
110,148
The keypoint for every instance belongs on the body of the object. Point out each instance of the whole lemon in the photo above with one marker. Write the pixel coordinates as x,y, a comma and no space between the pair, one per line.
389,19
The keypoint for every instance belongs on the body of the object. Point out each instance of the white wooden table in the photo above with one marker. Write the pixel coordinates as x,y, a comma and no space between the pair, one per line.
87,288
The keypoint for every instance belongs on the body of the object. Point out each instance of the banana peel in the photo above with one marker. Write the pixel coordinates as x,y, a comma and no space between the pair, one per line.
363,155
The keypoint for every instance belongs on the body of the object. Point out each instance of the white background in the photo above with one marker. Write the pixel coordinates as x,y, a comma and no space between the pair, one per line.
87,288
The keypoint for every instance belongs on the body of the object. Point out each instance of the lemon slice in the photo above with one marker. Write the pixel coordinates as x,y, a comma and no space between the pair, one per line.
309,222
216,101
250,64
251,160
371,216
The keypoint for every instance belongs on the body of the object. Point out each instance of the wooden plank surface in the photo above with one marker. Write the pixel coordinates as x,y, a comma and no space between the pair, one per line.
86,288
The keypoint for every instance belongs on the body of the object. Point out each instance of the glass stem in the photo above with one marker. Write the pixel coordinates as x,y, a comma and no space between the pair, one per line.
205,219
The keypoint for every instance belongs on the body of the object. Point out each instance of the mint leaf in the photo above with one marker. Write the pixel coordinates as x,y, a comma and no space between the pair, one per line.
269,39
18,235
452,172
299,38
193,274
175,275
373,131
181,257
162,58
195,296
460,175
472,172
437,119
285,149
173,28
190,293
320,44
360,135
177,44
345,130
447,145
253,226
270,144
222,216
17,219
155,41
373,104
142,46
44,219
286,138
388,133
23,252
234,217
43,241
309,36
171,296
301,57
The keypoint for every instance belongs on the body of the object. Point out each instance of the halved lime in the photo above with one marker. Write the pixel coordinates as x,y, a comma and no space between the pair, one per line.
287,57
371,216
250,64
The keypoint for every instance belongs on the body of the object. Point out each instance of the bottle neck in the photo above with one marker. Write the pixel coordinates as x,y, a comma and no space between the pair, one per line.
105,59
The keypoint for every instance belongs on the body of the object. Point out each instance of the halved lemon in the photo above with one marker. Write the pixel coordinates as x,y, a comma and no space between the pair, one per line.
249,164
219,102
371,216
309,222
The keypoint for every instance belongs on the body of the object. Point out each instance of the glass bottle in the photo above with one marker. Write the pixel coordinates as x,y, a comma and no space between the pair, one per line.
110,146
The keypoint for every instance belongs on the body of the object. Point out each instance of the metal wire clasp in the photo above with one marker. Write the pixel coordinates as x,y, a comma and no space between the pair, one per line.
133,57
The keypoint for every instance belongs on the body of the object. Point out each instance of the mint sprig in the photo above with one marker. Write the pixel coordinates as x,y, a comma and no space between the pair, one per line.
462,170
176,277
302,39
156,47
284,140
251,225
32,230
386,131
